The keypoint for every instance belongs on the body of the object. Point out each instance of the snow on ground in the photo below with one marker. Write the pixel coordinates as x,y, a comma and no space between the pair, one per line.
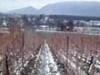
70,62
18,66
54,31
48,65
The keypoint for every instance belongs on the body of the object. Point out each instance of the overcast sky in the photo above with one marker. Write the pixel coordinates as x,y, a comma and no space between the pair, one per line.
6,5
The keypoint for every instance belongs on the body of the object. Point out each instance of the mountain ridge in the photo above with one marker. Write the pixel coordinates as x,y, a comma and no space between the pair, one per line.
26,10
67,8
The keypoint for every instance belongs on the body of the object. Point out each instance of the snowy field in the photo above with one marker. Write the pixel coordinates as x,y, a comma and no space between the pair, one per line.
51,53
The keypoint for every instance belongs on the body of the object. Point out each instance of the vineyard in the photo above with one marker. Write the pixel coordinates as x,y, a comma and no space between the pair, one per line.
25,52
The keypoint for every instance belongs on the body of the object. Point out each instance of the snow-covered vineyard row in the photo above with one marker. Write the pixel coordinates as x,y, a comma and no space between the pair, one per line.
49,54
81,52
